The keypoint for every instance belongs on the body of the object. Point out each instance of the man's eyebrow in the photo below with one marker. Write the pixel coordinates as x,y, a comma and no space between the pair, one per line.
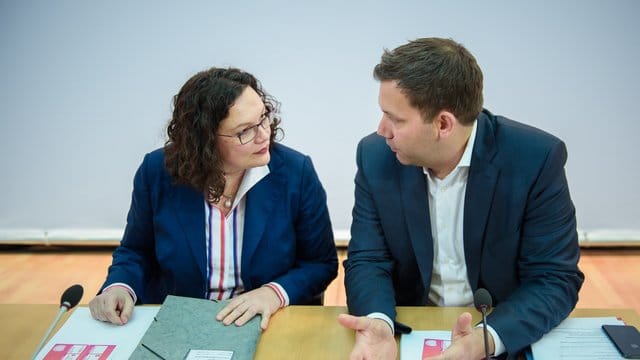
391,115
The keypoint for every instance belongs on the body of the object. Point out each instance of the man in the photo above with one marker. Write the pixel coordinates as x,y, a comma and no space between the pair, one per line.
450,198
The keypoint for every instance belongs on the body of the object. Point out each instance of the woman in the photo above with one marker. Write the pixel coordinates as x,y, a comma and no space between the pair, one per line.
222,211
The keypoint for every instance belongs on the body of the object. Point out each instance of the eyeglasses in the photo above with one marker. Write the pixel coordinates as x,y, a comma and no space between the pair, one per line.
250,133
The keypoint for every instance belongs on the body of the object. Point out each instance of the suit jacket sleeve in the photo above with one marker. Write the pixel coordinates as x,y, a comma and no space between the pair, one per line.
369,267
133,260
547,262
316,262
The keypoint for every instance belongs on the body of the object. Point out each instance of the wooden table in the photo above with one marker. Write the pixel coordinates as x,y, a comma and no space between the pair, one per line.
296,332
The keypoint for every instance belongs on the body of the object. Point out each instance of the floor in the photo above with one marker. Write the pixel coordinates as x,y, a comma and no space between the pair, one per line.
35,275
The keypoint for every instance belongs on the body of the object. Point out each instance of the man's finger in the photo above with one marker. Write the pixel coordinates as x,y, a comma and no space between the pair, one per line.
354,322
462,327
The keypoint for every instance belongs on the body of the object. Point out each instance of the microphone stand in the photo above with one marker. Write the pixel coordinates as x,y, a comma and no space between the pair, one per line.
63,309
484,329
70,298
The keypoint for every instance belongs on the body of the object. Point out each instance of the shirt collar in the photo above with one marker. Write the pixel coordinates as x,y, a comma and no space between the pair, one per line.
251,177
465,160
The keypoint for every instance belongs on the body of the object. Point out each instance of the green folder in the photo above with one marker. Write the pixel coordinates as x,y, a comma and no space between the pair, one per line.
184,324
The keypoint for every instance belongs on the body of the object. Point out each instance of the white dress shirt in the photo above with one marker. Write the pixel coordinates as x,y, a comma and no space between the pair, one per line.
449,282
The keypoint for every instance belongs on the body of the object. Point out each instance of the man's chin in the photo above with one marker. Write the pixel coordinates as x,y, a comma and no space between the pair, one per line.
403,160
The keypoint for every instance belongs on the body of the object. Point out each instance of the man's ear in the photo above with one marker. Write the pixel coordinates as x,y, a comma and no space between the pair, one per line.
445,123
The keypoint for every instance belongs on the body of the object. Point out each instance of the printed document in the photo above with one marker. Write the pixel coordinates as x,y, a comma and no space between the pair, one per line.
83,337
577,339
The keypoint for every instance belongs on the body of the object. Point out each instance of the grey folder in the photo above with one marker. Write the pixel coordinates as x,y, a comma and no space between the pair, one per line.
185,323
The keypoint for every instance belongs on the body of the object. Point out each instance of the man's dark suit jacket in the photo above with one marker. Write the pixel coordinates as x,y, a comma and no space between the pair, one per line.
520,238
288,236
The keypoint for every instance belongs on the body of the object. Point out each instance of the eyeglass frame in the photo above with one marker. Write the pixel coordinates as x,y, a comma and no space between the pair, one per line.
265,122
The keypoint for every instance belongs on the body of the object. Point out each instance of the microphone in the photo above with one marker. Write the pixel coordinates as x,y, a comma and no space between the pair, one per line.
482,301
70,298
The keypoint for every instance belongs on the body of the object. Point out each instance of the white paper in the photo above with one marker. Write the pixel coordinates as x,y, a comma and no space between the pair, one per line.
81,328
577,339
413,345
209,355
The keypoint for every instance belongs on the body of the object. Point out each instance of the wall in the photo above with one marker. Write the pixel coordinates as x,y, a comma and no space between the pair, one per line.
87,86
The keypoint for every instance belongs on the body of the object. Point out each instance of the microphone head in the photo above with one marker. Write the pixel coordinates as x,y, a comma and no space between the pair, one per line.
71,297
482,299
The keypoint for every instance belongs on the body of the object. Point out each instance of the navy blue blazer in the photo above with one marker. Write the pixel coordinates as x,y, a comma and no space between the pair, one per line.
520,238
288,236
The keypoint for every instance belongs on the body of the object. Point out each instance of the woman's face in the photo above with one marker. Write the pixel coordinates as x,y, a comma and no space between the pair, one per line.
246,119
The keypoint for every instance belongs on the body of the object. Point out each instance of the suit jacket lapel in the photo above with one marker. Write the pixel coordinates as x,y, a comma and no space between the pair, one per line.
189,210
481,183
261,201
413,188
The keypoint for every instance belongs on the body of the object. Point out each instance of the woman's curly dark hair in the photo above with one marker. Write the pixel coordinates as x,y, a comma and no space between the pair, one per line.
191,154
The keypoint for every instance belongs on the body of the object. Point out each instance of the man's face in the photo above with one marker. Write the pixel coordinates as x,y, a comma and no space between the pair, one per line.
410,137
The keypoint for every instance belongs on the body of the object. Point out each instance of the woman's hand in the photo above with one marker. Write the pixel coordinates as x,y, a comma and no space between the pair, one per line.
243,308
114,305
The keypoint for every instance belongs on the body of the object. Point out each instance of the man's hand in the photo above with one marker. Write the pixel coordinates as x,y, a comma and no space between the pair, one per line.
243,308
114,305
466,342
374,338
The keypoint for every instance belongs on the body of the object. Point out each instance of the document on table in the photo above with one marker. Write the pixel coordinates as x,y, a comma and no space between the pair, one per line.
577,339
422,343
186,328
83,337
